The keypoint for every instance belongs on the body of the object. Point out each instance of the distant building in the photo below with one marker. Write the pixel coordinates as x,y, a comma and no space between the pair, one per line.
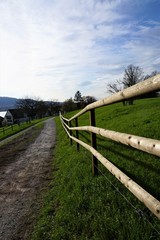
15,116
1,120
2,115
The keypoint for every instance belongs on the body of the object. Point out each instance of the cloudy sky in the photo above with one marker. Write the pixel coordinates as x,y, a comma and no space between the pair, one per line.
52,48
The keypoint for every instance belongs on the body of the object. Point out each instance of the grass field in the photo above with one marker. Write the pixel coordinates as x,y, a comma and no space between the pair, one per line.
80,206
13,129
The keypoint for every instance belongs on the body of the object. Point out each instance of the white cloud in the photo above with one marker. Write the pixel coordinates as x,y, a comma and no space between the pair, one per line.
52,48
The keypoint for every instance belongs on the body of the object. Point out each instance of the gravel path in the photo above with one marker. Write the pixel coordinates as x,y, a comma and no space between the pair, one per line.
22,179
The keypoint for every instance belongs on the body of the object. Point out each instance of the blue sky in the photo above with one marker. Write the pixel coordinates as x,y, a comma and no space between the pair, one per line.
50,49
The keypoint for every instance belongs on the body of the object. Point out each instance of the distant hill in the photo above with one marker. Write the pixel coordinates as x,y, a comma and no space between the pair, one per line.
7,103
10,103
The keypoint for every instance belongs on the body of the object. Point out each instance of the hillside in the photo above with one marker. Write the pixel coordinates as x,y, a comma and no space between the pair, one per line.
10,103
80,206
7,103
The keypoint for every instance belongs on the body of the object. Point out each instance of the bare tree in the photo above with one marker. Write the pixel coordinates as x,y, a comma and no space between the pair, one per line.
32,107
154,73
114,87
54,106
132,75
154,93
28,106
41,108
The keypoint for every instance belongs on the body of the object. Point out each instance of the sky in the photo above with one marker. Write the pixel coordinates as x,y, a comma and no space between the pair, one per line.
50,49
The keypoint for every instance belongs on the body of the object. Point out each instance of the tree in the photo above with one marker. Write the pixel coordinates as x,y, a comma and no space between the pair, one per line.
114,87
54,107
154,73
132,75
154,93
32,107
40,108
78,99
88,99
69,105
28,106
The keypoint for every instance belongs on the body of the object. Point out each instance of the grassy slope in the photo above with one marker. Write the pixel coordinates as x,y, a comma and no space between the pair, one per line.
79,206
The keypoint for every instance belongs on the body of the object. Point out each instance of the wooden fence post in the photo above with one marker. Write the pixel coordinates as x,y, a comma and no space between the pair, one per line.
70,132
93,143
77,134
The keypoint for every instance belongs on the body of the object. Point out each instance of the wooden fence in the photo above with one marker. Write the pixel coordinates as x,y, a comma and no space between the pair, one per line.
151,146
5,129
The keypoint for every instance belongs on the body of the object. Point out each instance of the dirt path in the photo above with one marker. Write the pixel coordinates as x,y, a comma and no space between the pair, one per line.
24,173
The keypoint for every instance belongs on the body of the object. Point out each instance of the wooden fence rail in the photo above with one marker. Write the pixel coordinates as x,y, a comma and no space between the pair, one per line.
148,145
5,129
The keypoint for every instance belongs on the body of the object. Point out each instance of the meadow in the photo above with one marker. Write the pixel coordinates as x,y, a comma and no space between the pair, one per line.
16,128
80,206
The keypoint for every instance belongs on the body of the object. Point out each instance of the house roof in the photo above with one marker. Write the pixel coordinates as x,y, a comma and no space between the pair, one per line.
3,113
16,113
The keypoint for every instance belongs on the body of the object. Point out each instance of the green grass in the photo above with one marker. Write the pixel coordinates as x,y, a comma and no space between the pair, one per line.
80,206
13,129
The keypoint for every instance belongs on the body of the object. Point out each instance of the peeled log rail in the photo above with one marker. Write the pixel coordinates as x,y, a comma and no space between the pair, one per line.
149,201
141,143
149,85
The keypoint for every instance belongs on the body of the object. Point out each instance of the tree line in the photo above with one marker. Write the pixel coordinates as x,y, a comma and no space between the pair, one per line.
39,108
35,107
